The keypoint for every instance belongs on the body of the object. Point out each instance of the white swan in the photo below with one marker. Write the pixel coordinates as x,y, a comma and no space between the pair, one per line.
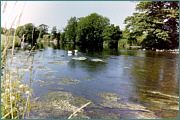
75,51
69,52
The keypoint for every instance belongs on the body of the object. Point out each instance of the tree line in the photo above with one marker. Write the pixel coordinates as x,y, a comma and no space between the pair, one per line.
155,25
91,30
32,33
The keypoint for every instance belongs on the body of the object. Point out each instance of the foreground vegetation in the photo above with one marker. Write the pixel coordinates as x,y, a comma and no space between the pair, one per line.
15,95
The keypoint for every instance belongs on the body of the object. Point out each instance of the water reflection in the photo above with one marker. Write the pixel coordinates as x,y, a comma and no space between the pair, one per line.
157,82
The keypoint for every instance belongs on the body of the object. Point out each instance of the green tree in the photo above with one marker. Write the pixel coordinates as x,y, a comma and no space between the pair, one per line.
43,30
156,24
112,34
20,31
30,32
62,37
53,33
29,28
58,35
11,31
71,30
89,29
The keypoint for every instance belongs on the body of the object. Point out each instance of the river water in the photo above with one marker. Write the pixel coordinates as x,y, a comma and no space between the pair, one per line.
123,84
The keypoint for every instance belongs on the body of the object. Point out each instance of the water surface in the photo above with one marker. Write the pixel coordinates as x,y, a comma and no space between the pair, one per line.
126,84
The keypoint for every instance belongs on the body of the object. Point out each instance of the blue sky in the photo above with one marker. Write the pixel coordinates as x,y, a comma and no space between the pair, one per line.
56,13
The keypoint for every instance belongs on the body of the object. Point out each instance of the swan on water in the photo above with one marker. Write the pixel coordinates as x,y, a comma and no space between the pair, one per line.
69,52
75,51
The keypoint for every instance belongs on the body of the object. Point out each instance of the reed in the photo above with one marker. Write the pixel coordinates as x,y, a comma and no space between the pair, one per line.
78,110
15,95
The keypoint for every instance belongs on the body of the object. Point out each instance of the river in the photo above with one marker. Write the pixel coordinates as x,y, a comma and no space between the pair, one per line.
120,83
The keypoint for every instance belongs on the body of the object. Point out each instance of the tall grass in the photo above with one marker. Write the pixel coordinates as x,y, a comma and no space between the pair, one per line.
15,94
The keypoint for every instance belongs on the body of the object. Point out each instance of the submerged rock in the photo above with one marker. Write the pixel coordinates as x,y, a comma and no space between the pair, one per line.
58,62
59,105
136,107
62,61
58,95
50,72
56,55
87,79
54,88
110,96
79,101
64,105
113,104
142,113
97,60
41,85
42,68
49,75
146,115
45,81
79,58
67,81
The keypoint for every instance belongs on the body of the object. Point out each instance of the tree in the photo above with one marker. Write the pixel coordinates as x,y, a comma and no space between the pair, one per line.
71,30
53,33
62,37
43,29
28,28
29,31
58,35
20,31
157,24
112,34
11,31
89,29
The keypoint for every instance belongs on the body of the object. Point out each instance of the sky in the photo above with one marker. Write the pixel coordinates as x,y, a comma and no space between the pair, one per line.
57,13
